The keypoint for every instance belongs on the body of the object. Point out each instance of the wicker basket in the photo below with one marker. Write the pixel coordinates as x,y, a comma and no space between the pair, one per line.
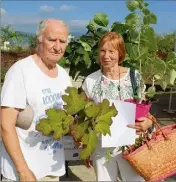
156,159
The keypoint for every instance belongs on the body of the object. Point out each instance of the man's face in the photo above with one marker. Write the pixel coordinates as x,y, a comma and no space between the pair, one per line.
54,42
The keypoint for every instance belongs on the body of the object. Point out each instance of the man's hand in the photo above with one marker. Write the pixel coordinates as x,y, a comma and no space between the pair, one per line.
27,175
143,124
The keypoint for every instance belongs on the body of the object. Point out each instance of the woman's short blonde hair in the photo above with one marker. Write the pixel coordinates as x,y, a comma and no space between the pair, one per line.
117,42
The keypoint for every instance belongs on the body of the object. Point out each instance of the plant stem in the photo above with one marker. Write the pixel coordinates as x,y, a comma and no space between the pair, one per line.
162,92
140,62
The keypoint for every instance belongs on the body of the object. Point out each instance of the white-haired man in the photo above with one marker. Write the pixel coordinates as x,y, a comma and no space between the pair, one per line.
38,81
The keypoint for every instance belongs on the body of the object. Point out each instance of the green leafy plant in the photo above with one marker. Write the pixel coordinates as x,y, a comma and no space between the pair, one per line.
140,41
82,118
16,39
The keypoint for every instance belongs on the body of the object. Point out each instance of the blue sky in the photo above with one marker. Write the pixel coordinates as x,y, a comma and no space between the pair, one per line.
25,15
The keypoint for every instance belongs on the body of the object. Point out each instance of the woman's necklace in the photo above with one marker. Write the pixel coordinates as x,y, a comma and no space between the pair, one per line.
119,86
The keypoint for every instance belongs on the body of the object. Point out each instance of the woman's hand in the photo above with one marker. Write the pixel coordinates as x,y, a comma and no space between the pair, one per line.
143,124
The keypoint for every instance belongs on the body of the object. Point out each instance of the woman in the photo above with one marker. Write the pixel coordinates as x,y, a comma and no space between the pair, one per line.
113,82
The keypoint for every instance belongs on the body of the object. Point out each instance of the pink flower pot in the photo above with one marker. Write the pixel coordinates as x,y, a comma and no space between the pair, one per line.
141,109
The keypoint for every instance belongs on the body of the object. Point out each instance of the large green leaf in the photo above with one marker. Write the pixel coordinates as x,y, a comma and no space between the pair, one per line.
55,115
85,45
132,5
150,19
133,35
92,26
63,61
77,59
172,77
91,109
57,124
148,39
100,32
131,19
44,126
106,111
171,61
158,65
89,39
143,53
132,50
148,69
68,50
151,91
119,27
87,59
103,127
85,139
74,101
146,11
91,145
80,50
163,83
101,19
146,4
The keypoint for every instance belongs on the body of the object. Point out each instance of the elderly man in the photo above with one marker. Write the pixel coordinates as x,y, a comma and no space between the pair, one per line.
38,81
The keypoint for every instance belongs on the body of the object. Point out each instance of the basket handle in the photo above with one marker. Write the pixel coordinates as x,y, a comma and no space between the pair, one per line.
157,125
146,140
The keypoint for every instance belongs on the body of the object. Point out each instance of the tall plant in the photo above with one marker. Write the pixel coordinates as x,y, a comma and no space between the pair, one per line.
140,42
143,51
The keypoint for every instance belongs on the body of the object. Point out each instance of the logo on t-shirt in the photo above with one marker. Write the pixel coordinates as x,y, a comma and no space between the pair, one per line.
52,98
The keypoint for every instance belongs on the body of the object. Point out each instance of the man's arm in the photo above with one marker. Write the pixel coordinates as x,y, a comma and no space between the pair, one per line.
11,143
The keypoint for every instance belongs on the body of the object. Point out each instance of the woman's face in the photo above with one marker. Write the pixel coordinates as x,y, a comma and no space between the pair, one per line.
108,55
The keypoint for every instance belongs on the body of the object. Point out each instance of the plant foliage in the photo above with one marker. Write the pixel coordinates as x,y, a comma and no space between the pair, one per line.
84,119
140,41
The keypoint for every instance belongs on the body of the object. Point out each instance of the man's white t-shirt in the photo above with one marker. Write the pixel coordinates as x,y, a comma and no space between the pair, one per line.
25,84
